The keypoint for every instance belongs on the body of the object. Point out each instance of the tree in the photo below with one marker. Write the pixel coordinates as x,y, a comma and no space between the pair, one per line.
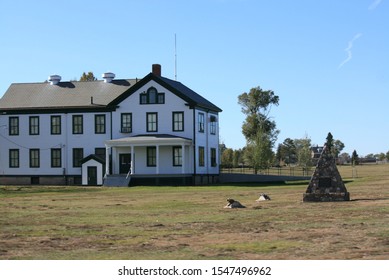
227,158
87,77
287,151
354,158
303,151
256,106
259,130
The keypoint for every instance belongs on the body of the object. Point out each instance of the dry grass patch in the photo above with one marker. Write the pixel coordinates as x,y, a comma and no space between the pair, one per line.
190,223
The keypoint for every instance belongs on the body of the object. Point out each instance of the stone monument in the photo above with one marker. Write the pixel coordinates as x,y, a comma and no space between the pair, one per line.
326,183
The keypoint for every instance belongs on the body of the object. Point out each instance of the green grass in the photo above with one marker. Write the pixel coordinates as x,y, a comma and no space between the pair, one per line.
191,223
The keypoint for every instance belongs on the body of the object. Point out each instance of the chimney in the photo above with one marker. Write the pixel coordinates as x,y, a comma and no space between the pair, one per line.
54,79
108,77
156,70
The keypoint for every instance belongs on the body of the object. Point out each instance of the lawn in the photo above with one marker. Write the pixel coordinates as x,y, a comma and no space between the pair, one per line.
190,222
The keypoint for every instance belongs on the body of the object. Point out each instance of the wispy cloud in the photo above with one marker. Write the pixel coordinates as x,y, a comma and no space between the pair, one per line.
348,50
374,4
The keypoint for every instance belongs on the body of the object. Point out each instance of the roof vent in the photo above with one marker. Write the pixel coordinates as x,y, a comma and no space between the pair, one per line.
54,79
108,77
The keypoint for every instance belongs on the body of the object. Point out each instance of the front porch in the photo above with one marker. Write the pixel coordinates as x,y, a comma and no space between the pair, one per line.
159,156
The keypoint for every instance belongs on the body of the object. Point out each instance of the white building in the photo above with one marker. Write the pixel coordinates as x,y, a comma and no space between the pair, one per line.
150,131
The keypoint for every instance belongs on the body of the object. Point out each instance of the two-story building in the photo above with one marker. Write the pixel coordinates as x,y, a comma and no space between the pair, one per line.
134,131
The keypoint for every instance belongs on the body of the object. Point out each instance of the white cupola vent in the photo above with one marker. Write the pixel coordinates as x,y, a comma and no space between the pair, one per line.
108,77
54,79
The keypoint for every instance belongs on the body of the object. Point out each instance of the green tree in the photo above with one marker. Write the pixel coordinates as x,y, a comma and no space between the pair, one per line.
259,130
227,158
354,158
303,152
256,105
287,151
87,77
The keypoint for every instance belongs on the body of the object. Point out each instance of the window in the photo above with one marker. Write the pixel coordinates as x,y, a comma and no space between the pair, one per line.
152,96
152,122
78,127
213,125
177,156
213,157
56,158
13,125
34,158
100,152
14,158
55,125
178,121
34,125
78,155
201,156
151,156
201,122
126,123
99,124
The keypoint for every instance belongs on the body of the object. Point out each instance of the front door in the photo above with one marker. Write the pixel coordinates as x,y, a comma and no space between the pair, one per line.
125,163
92,175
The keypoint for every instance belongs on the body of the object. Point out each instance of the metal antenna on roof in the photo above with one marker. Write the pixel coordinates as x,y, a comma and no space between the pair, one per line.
175,56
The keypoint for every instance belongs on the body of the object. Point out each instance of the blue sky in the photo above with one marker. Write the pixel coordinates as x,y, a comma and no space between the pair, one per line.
327,60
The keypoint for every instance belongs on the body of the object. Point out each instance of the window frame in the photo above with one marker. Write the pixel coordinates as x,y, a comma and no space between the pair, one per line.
78,128
150,124
56,157
201,152
78,155
128,128
213,157
100,124
213,125
177,155
152,96
14,158
13,125
151,154
34,158
178,125
33,125
201,122
55,128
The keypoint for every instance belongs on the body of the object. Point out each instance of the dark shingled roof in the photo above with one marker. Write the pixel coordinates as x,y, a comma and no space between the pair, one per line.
89,95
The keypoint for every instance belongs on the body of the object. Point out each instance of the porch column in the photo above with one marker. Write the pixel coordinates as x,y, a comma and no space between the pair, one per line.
106,160
183,158
132,161
157,159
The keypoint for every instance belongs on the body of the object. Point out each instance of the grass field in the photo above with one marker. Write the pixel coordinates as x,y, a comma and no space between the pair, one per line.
190,222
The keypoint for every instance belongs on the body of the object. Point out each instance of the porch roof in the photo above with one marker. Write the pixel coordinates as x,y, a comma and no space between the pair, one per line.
149,140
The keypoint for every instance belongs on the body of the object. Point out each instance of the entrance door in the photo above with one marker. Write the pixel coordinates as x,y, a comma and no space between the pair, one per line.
92,175
125,163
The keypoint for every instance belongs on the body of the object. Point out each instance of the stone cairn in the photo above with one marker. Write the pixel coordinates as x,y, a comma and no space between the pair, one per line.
326,183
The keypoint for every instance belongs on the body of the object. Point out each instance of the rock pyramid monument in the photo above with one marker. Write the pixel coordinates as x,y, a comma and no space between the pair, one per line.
326,183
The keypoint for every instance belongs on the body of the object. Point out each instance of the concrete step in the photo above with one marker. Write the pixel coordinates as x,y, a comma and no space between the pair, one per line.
117,181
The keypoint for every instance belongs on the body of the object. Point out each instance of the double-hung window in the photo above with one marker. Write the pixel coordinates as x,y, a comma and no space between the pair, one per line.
201,122
99,124
13,125
178,121
78,127
55,125
56,158
201,156
34,158
14,158
126,123
151,156
177,156
34,125
213,157
151,122
78,155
